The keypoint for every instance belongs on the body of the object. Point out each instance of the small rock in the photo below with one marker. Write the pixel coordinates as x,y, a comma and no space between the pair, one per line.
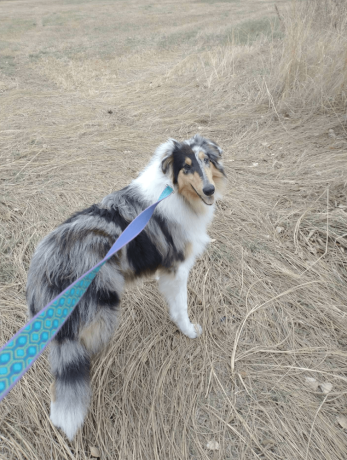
268,442
312,383
277,165
254,165
332,134
94,452
212,445
326,387
279,229
342,421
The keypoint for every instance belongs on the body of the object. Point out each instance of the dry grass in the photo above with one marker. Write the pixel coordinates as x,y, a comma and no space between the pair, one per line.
270,292
313,70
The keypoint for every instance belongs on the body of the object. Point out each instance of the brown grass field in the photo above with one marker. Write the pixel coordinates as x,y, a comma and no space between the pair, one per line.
88,89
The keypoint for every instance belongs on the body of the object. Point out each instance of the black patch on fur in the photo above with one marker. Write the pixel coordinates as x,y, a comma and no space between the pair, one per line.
142,255
109,215
74,372
32,310
180,153
107,298
69,329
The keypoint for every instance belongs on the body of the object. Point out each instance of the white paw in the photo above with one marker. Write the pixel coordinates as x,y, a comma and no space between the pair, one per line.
193,331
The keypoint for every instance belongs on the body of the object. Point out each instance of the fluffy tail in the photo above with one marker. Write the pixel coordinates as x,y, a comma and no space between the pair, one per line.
70,363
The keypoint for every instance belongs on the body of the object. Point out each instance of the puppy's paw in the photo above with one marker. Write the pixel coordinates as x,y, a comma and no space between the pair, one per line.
194,331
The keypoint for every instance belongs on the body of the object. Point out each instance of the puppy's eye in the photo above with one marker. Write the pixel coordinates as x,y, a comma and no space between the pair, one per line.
187,167
206,160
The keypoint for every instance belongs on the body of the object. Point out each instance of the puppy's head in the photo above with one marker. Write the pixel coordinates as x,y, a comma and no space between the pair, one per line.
195,169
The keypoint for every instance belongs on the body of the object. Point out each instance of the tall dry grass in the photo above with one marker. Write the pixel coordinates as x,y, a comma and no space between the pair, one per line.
312,72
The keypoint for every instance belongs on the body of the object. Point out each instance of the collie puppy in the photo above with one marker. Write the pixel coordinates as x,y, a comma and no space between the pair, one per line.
167,247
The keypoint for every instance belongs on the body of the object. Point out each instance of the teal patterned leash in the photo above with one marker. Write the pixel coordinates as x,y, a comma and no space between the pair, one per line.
17,355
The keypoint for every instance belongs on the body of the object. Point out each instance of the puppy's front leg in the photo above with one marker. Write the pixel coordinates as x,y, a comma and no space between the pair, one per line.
174,289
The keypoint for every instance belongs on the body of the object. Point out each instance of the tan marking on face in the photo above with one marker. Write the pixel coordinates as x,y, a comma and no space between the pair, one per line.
52,391
188,161
201,155
186,182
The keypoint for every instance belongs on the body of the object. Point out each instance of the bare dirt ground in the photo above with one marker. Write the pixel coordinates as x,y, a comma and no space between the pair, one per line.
87,91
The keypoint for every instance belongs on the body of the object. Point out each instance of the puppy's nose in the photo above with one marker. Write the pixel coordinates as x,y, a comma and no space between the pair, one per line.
208,190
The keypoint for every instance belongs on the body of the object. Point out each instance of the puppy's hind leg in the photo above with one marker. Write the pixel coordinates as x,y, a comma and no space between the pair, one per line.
174,289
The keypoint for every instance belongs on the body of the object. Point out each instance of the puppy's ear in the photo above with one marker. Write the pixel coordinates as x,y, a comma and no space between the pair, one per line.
217,165
166,163
167,160
215,147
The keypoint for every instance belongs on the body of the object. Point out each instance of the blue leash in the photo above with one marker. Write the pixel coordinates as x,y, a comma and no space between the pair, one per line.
18,355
